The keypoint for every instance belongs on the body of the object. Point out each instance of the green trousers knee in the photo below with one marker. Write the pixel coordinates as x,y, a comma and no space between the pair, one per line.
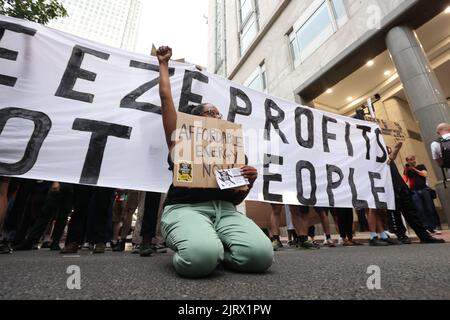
206,234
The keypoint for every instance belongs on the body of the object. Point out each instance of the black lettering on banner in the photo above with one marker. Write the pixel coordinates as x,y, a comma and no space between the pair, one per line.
10,54
347,139
186,93
312,200
376,190
268,177
100,133
234,108
333,184
74,72
129,101
365,130
357,204
383,158
274,120
325,134
299,112
42,126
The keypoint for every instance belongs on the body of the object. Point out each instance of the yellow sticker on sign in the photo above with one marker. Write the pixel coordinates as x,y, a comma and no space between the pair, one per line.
185,171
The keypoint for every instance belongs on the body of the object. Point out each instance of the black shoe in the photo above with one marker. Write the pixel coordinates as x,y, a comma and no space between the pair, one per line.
146,250
432,240
159,248
375,242
70,248
392,242
99,248
54,246
119,246
405,240
5,248
46,245
24,246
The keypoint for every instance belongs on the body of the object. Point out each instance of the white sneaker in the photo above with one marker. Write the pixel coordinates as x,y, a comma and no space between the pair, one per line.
437,232
340,241
86,246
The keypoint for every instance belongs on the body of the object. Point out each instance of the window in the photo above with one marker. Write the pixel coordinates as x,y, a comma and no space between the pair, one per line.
249,24
220,38
322,19
258,79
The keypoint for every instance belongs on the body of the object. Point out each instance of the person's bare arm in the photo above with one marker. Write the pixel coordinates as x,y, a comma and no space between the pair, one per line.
395,151
169,114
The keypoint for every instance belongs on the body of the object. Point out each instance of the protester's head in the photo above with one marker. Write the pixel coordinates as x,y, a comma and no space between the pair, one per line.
206,110
411,160
443,129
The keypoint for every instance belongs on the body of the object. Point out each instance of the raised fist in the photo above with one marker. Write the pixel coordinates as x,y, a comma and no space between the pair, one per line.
164,54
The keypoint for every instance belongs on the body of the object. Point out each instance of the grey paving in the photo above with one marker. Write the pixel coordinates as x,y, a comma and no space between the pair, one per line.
407,272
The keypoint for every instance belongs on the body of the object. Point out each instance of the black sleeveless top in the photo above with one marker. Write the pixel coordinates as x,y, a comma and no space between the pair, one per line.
180,195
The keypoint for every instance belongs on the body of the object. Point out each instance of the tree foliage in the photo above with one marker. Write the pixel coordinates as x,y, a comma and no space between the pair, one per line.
41,11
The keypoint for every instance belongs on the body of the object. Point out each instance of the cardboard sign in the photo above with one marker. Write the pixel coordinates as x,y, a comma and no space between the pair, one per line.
204,146
389,128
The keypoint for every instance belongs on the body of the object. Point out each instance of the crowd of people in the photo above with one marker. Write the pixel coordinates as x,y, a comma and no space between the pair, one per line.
202,226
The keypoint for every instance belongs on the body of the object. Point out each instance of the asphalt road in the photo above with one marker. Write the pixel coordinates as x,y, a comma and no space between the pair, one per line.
407,272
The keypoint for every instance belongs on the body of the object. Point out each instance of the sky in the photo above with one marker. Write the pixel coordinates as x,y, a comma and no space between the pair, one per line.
180,24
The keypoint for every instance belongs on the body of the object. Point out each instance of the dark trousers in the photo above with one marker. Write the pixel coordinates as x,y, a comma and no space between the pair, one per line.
405,205
32,201
395,222
425,208
363,223
345,222
58,206
97,199
150,218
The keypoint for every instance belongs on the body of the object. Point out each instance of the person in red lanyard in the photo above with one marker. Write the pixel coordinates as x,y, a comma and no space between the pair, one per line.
416,177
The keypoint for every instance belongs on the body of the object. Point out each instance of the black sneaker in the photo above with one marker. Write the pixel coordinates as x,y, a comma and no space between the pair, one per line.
277,245
146,250
46,245
99,248
119,246
54,246
24,246
392,242
5,248
308,245
70,248
432,240
375,242
405,240
159,248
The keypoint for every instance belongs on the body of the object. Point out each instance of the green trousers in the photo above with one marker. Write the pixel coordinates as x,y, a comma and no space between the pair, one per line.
206,234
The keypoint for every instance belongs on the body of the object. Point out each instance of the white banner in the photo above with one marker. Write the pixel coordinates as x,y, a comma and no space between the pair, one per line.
75,111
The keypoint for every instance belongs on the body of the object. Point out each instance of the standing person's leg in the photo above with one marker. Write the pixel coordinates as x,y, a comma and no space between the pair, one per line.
301,224
372,219
117,217
381,214
323,215
49,211
149,221
78,219
102,205
247,248
275,222
430,209
189,231
4,184
65,208
342,219
418,203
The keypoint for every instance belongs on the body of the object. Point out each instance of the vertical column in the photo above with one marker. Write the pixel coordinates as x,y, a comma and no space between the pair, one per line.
423,91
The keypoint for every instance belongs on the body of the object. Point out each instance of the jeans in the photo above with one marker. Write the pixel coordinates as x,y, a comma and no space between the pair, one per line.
425,208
